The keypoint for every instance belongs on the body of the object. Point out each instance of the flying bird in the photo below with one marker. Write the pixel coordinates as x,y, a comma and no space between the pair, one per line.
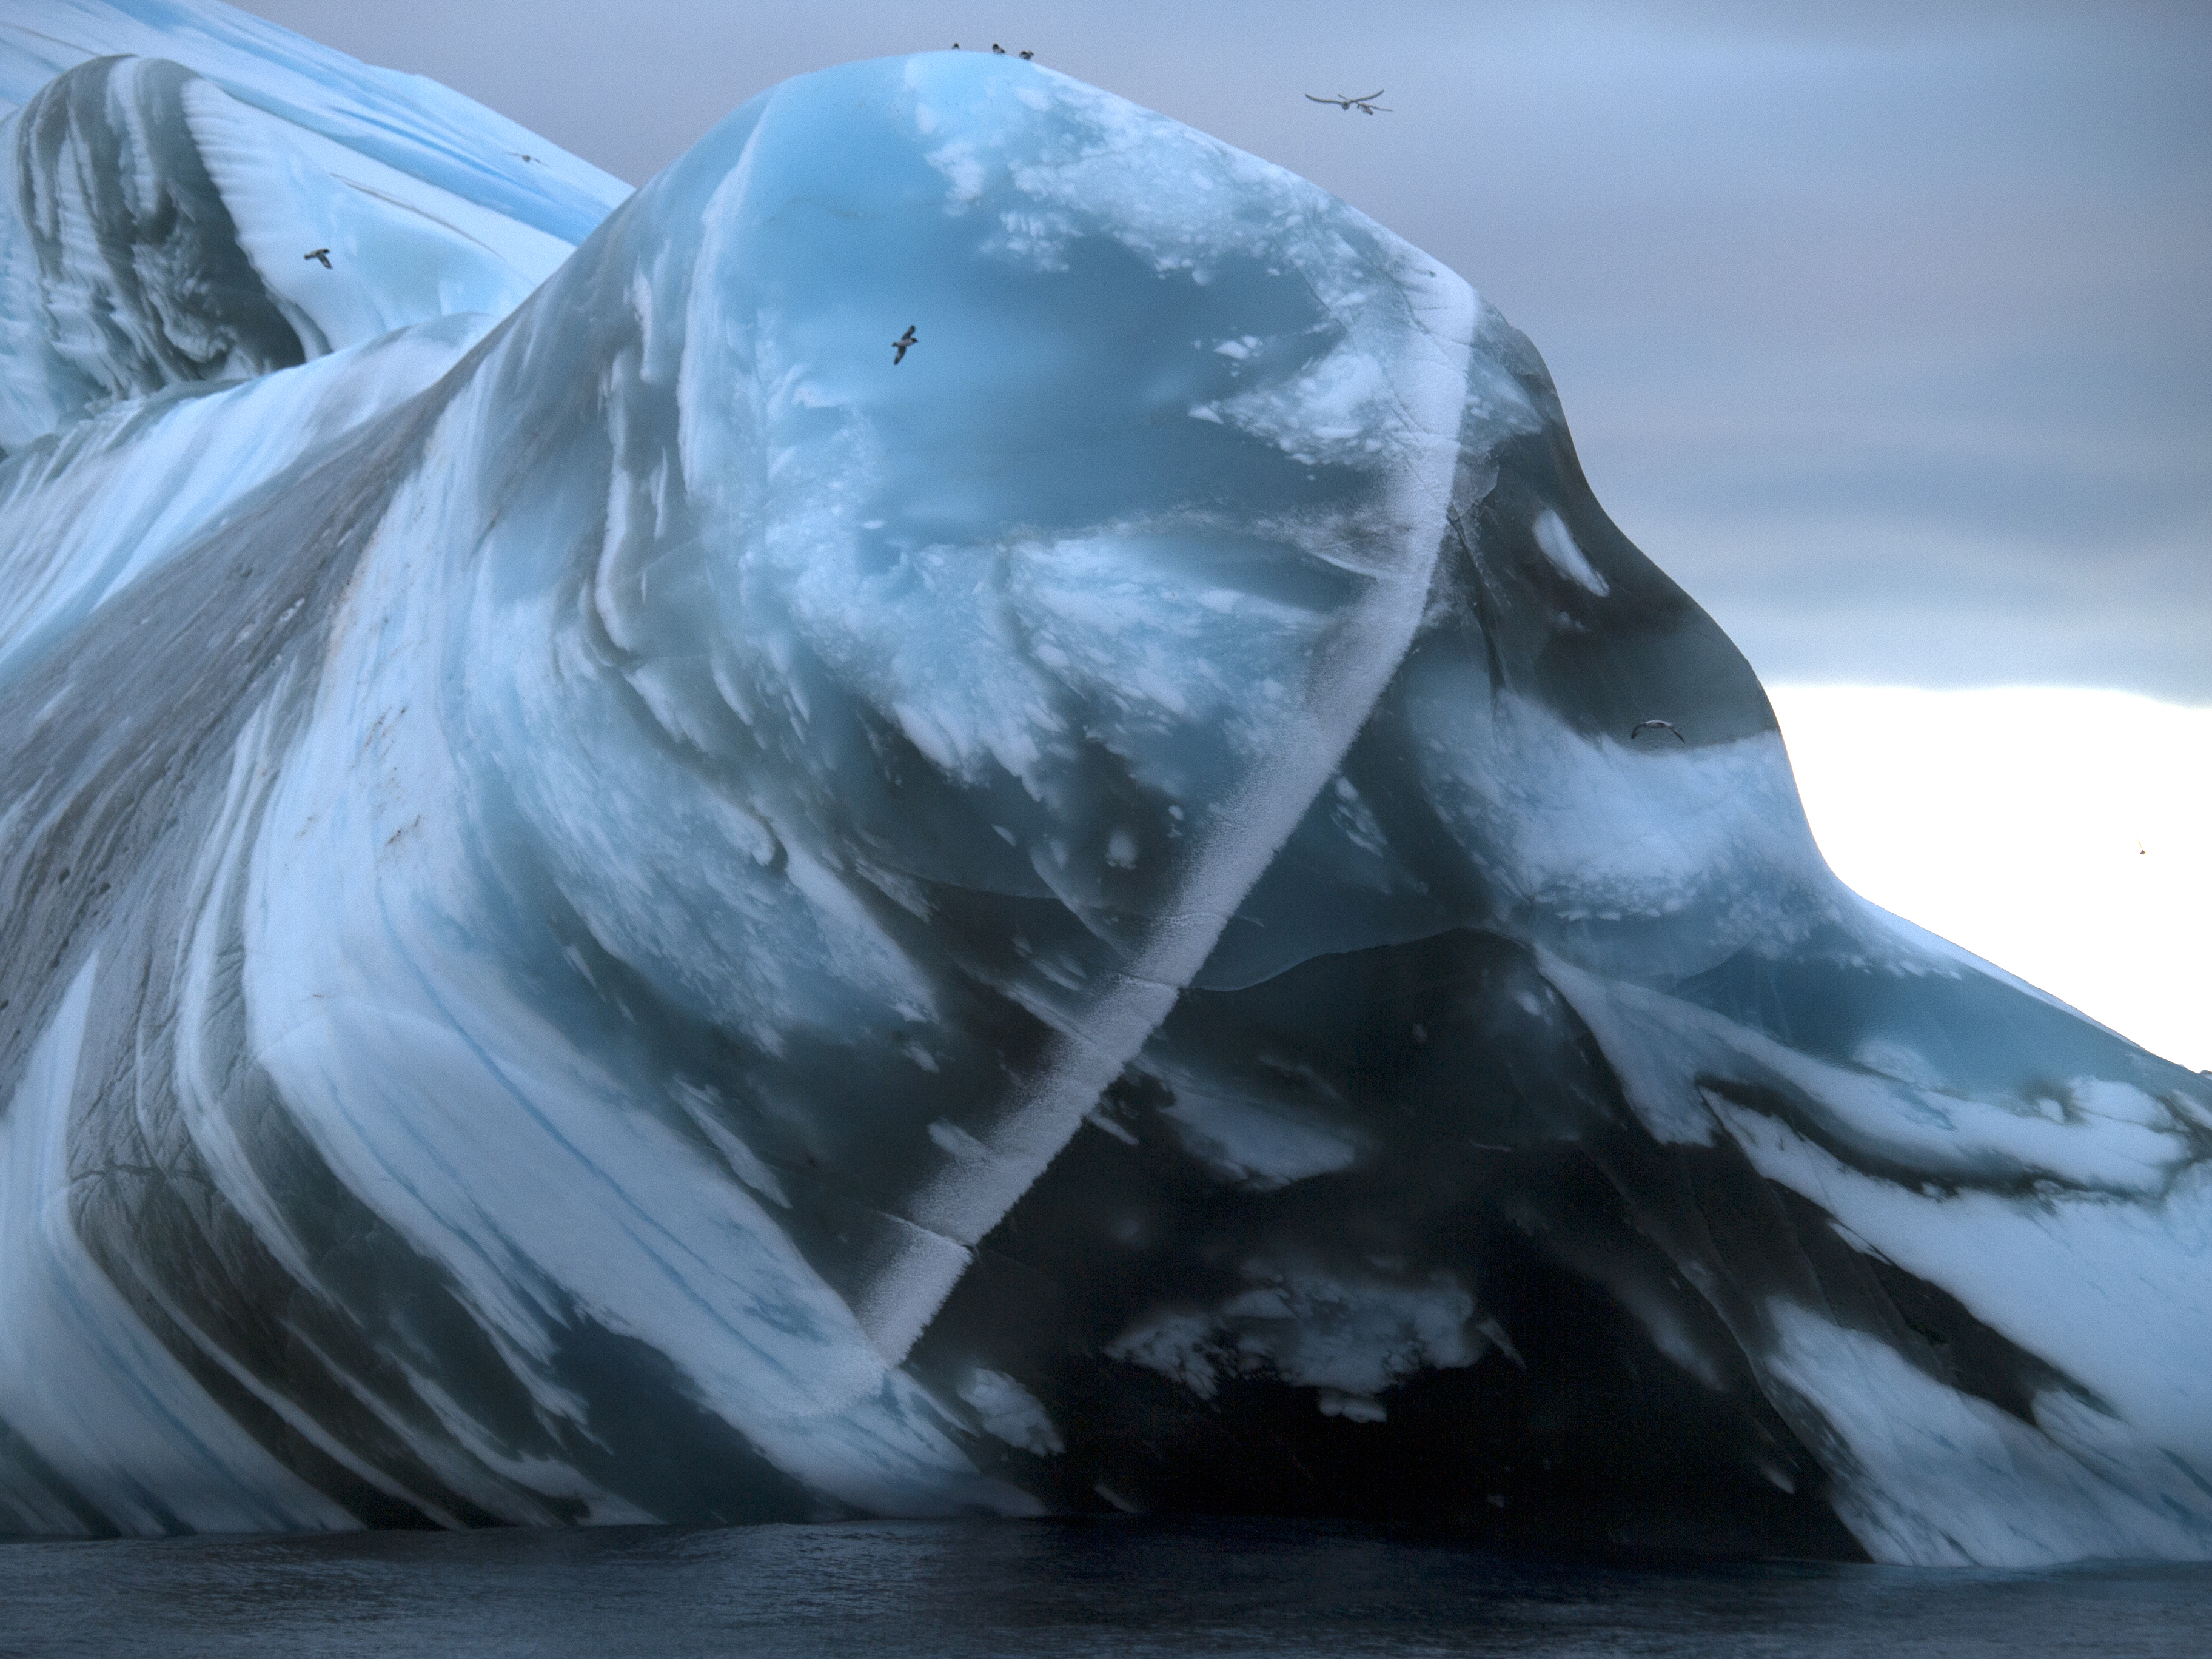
1027,56
900,345
525,156
996,47
322,253
1367,104
1642,727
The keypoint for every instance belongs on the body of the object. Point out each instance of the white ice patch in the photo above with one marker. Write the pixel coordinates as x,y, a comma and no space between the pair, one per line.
1352,1407
1259,1146
1180,1346
1943,1134
1561,547
963,169
2078,1280
1935,1478
1012,1413
1660,1045
701,1107
1351,1339
1589,828
1338,411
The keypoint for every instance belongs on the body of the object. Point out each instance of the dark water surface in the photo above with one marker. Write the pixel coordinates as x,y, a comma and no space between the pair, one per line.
1124,1586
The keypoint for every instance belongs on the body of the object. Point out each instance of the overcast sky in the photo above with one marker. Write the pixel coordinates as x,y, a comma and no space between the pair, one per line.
1889,334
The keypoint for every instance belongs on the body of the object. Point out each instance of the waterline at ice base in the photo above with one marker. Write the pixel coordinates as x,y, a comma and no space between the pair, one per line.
623,903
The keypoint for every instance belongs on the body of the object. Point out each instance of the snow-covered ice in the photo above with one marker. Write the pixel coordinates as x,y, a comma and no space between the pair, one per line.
619,907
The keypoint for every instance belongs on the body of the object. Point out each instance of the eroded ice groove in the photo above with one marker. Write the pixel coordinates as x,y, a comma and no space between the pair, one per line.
405,139
161,233
640,911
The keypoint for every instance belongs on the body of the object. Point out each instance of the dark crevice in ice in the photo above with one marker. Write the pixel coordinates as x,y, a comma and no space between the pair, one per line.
171,297
1481,1129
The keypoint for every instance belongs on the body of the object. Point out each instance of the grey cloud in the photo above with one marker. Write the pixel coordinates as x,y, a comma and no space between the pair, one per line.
1882,327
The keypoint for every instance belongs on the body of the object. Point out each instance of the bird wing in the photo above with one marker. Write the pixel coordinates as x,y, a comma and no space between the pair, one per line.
1369,97
1312,100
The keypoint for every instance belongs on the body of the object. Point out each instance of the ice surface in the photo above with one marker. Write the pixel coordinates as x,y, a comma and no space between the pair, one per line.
620,907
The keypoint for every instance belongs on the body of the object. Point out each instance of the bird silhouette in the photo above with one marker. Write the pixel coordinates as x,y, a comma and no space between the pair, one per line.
900,345
322,253
996,47
1027,56
1365,103
1642,727
525,156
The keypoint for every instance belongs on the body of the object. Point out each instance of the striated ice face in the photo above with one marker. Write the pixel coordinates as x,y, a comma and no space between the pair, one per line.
626,902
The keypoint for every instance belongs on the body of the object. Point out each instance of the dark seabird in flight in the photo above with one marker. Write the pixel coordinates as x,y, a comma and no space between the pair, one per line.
996,47
1027,56
1642,727
1365,102
901,344
322,253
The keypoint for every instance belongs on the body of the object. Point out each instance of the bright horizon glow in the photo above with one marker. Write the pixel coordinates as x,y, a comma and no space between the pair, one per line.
2009,821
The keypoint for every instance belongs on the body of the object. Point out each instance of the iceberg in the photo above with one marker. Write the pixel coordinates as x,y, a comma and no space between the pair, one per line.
623,905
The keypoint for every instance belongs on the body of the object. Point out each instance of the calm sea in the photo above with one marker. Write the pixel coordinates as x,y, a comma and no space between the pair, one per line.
1123,1586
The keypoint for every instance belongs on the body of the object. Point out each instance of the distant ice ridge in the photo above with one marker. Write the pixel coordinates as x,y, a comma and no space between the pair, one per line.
162,214
621,907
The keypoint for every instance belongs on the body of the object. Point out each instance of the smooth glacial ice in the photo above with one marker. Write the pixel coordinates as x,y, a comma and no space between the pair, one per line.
618,907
